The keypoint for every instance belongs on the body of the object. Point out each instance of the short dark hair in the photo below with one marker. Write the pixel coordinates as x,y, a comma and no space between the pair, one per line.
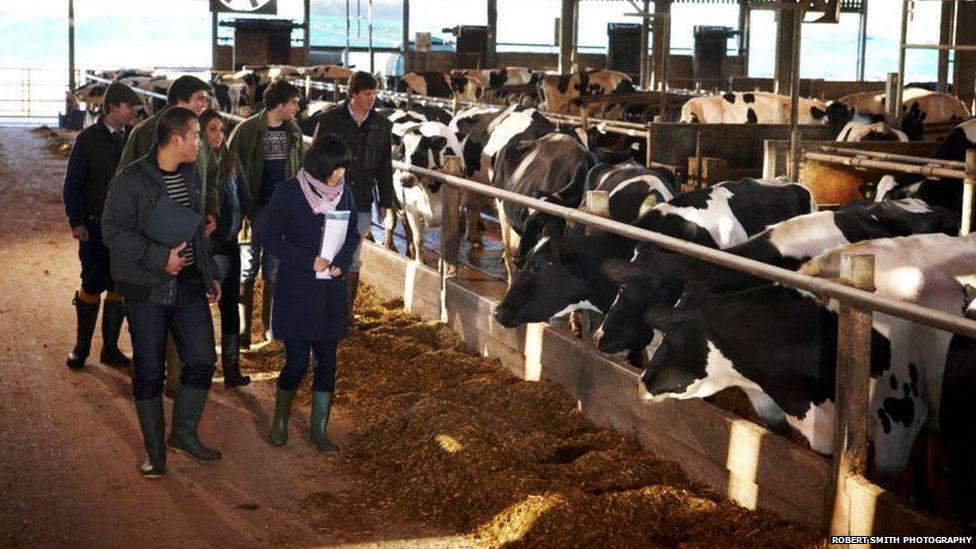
183,88
327,153
279,92
208,115
361,80
173,120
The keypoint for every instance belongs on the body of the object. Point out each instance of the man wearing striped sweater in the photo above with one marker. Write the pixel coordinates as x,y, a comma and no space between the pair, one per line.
165,288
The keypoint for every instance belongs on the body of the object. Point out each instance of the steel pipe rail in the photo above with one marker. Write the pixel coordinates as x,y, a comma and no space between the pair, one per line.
928,171
821,287
892,156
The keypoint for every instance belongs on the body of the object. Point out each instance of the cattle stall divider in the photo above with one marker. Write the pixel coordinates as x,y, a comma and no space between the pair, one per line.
928,167
743,479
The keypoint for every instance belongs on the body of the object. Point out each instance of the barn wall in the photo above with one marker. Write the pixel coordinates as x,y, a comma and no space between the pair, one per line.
735,457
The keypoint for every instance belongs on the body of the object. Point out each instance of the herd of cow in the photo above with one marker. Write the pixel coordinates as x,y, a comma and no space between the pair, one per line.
716,328
721,328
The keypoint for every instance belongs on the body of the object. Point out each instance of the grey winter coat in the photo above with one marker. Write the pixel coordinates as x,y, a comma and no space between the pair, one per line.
138,263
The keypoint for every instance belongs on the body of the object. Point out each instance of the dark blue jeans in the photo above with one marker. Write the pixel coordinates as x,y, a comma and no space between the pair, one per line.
190,325
230,289
95,274
296,364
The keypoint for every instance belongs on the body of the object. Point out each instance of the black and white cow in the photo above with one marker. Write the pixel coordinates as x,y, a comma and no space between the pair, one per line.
563,273
422,146
750,108
552,167
632,188
721,216
947,192
937,108
955,417
482,132
564,93
779,345
790,243
438,84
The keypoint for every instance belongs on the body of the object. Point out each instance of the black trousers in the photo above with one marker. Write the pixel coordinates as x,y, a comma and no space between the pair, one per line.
189,323
95,274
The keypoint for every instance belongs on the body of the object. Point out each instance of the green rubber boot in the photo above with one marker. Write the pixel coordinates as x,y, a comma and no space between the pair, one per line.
321,409
187,409
153,428
279,427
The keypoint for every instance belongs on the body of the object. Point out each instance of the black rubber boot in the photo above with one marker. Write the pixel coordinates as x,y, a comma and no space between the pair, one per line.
245,309
153,427
187,409
230,361
87,315
321,409
113,313
267,296
279,426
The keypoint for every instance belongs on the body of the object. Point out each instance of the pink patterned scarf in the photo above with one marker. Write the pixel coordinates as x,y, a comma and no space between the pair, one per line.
321,197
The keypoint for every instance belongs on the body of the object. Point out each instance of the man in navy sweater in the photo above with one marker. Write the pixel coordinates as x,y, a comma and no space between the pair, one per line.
93,161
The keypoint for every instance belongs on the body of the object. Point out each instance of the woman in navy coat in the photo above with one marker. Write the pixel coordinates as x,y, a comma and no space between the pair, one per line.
309,313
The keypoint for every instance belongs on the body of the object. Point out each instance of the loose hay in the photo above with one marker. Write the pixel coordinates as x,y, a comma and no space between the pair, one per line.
457,441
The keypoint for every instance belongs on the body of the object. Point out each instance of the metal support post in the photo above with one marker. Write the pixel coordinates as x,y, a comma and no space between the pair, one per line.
968,193
450,230
851,391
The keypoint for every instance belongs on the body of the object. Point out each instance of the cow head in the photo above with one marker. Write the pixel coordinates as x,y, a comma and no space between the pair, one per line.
908,216
640,289
548,283
536,225
913,123
838,115
423,146
679,366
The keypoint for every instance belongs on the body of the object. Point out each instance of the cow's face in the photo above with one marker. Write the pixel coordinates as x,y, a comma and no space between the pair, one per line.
909,216
423,151
546,285
679,366
536,224
623,327
838,115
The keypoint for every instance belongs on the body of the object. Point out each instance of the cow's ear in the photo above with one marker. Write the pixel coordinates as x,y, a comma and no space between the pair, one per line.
621,272
970,292
817,113
551,230
667,319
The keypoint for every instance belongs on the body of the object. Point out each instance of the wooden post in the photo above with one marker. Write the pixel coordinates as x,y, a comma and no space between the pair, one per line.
596,203
769,160
71,47
567,32
645,75
892,112
649,143
784,48
490,60
851,393
964,63
794,165
968,193
946,32
450,230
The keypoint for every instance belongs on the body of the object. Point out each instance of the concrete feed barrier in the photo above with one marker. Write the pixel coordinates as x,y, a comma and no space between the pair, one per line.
733,456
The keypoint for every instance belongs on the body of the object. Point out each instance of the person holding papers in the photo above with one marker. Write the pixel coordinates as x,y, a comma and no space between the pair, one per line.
308,229
161,263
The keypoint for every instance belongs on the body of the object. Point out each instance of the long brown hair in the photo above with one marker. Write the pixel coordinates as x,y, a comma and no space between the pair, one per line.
226,160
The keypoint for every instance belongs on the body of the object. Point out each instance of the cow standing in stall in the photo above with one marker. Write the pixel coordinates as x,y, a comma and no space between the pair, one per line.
564,93
779,346
751,108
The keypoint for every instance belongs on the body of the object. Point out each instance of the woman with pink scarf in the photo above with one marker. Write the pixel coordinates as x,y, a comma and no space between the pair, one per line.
310,314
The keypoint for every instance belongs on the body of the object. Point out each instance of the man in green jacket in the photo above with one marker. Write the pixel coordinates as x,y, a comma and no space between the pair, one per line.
188,92
270,147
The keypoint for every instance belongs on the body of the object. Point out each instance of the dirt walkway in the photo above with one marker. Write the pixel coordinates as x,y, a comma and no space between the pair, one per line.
70,442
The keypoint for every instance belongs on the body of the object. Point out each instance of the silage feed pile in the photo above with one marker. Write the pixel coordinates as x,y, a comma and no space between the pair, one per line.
456,441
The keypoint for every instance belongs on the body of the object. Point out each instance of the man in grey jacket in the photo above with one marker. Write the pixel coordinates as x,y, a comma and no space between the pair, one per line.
165,288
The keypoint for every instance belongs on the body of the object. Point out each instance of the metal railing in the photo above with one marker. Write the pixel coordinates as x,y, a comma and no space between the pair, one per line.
27,92
856,298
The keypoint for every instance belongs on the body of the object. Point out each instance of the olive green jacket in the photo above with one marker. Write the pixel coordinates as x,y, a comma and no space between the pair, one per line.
142,139
247,144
